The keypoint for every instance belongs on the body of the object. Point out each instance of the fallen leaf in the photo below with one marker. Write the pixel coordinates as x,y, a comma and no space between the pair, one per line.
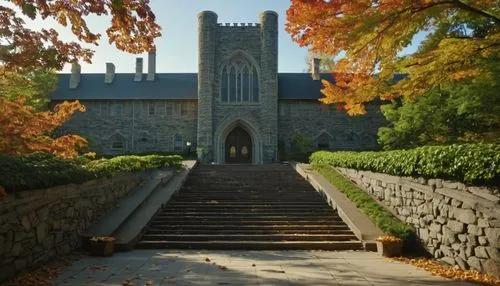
97,267
439,269
253,265
207,259
222,267
273,271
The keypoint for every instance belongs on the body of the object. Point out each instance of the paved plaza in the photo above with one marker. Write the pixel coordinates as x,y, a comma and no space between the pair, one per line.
178,267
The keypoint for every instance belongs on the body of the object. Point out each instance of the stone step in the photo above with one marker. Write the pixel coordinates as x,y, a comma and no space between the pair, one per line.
152,230
218,200
248,207
249,237
222,221
296,215
239,204
253,245
249,227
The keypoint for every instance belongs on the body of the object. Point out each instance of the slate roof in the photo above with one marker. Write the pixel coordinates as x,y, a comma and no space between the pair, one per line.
172,86
165,86
300,86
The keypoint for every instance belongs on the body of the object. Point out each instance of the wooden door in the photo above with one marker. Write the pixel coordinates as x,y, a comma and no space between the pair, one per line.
238,147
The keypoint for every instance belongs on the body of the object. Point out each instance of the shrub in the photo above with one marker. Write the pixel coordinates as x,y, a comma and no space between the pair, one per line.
470,163
41,170
38,170
109,167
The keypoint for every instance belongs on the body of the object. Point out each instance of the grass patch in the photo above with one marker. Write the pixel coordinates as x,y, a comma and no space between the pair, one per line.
381,217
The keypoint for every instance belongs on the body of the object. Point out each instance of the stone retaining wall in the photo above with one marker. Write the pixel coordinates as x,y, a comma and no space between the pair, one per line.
40,224
458,224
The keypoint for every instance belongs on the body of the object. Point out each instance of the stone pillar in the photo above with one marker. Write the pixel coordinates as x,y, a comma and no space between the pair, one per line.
269,84
207,28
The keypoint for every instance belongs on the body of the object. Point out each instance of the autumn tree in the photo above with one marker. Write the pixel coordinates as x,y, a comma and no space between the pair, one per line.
461,37
27,57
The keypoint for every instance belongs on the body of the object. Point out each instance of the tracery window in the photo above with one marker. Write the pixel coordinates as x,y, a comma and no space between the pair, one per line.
239,82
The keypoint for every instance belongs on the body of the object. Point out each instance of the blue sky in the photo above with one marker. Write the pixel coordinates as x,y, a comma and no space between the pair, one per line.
177,49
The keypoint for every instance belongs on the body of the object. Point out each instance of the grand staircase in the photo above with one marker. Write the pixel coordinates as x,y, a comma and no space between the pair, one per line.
247,207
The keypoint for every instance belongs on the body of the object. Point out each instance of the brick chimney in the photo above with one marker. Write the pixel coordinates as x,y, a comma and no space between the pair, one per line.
110,73
138,69
74,80
151,66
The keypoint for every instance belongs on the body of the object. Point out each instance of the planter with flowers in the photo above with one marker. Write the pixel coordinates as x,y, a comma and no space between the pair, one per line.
389,246
102,245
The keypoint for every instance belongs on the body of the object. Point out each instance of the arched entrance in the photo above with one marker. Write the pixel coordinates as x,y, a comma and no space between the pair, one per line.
238,147
226,127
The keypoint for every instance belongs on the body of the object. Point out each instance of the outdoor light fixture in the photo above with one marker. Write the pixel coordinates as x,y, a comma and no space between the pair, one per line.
188,144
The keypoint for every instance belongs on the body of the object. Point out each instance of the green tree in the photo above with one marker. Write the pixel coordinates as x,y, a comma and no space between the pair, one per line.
33,85
457,112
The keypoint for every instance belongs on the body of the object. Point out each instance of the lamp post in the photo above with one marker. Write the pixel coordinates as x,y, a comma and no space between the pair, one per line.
188,145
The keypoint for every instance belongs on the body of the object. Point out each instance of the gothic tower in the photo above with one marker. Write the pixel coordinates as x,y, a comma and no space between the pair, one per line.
238,90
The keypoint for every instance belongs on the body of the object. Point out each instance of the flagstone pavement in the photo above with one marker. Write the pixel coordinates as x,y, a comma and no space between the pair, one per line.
205,267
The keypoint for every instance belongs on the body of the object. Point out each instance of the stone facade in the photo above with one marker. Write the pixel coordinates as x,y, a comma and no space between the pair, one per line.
41,224
457,224
144,126
327,128
134,113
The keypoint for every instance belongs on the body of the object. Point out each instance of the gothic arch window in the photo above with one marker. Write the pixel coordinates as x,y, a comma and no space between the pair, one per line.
239,82
117,142
323,141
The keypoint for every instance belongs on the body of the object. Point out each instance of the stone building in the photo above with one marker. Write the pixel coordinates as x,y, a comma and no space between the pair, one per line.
236,109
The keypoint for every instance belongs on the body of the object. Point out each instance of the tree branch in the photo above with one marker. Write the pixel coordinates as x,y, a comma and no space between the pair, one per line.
470,8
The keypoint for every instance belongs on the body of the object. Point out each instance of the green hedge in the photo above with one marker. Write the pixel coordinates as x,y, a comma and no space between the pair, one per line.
470,163
381,217
42,170
109,167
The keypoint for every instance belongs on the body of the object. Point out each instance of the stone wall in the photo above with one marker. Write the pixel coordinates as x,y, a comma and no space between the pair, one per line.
145,126
458,224
322,123
40,224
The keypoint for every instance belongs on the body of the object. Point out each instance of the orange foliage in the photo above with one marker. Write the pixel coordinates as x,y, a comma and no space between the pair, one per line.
23,131
133,29
370,35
